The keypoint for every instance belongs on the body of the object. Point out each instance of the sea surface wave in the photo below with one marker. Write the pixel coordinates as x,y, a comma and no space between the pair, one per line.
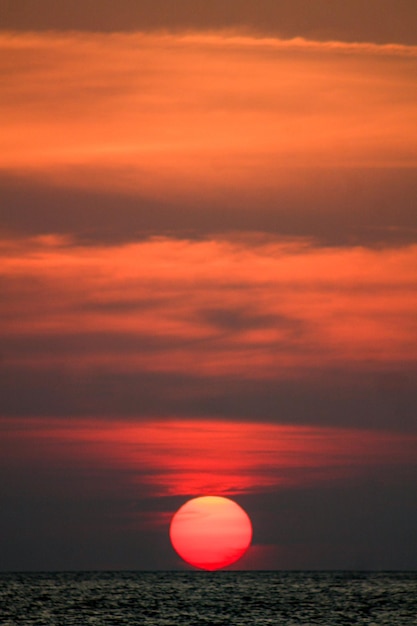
222,598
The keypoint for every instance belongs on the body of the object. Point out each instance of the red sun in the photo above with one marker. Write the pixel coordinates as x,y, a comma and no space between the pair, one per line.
210,532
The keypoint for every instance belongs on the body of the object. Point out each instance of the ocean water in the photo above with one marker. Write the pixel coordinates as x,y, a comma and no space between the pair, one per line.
200,598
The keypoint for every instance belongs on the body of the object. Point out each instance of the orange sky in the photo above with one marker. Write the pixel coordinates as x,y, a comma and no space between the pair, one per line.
208,262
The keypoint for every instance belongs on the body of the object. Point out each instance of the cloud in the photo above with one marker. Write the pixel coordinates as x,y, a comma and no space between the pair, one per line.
109,137
378,20
333,207
172,104
282,304
232,328
182,458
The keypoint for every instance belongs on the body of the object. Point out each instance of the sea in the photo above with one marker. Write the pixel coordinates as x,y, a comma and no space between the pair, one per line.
197,598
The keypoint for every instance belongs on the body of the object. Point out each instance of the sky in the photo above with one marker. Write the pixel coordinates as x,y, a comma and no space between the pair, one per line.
208,242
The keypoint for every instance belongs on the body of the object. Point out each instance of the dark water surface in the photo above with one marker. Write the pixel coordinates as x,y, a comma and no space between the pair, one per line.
197,598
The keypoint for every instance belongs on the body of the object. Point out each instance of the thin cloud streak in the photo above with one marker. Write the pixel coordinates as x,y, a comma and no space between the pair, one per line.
378,20
183,458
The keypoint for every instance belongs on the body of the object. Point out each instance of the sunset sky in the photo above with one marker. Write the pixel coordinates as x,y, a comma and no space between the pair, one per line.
208,279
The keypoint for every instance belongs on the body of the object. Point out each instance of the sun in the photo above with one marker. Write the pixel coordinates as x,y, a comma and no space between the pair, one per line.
210,532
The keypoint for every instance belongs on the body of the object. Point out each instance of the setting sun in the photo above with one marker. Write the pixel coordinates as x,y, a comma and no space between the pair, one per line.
211,532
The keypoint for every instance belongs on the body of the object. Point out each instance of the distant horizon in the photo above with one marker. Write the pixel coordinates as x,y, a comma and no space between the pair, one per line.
216,572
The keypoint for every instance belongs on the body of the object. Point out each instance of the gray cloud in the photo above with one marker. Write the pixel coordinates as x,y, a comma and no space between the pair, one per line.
235,320
334,207
372,400
379,20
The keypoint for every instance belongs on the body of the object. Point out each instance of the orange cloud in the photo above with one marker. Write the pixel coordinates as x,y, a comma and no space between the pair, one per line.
257,309
166,112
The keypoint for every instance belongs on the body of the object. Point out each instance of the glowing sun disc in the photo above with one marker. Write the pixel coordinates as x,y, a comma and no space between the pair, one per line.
210,532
